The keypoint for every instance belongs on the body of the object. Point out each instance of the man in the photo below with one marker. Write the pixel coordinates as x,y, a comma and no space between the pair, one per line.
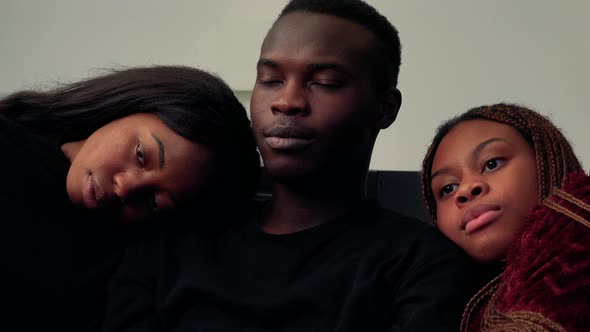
319,256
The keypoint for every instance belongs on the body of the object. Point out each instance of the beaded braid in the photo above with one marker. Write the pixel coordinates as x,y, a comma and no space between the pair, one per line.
554,154
478,301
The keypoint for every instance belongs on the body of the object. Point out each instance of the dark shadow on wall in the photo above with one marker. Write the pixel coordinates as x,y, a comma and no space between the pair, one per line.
399,191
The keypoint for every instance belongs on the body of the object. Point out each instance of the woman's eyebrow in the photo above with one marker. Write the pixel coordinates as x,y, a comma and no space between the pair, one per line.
160,149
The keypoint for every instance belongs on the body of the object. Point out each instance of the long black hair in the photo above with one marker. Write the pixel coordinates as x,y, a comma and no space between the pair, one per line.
194,103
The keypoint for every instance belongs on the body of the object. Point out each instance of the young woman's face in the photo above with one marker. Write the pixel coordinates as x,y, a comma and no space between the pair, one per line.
484,180
136,166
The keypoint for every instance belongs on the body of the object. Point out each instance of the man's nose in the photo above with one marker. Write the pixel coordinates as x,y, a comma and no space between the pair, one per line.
291,99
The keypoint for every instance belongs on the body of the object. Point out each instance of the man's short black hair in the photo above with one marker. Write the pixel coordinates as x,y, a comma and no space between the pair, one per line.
364,14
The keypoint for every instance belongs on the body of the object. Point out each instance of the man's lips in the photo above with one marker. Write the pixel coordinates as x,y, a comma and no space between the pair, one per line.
288,137
286,131
480,216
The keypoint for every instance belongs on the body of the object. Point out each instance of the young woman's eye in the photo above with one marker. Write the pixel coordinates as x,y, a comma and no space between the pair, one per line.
492,164
448,189
139,154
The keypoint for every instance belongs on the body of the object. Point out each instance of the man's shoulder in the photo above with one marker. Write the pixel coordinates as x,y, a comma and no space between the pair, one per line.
404,224
412,233
388,216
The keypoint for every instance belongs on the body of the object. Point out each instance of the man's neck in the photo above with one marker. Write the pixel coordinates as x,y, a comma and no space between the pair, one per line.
294,209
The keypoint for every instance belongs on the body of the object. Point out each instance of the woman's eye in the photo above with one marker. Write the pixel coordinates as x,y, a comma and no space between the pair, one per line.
448,189
139,154
492,164
154,204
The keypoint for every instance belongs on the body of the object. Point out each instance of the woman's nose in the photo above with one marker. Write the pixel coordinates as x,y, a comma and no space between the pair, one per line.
129,183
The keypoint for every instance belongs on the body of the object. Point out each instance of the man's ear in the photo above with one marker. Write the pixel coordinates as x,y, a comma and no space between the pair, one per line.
390,106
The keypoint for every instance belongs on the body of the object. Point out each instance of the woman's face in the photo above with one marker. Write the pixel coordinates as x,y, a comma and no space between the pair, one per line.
136,166
484,180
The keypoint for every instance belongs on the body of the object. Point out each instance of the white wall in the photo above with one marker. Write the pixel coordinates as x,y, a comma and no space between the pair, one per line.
456,54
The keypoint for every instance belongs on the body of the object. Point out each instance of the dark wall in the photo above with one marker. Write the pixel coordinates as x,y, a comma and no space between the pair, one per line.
396,190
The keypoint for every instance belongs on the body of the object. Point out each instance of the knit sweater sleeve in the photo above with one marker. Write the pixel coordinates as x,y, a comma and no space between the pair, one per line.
546,283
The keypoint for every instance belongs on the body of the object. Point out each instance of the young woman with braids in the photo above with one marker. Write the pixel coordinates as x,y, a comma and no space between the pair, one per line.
503,183
86,165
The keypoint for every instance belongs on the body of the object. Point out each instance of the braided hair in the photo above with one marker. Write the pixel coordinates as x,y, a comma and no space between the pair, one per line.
554,153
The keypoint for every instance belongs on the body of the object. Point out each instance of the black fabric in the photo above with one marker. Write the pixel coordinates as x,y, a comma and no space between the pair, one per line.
382,185
372,270
56,259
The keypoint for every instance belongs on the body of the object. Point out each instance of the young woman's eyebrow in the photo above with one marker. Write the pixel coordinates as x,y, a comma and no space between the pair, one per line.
160,149
477,150
439,172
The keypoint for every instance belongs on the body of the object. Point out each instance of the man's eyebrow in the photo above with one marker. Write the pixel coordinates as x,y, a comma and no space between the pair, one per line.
328,66
262,62
474,153
160,149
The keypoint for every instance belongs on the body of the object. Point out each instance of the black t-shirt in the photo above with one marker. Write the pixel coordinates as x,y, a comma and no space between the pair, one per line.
372,270
55,259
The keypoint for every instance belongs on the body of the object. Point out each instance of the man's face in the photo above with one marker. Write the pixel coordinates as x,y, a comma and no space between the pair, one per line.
314,106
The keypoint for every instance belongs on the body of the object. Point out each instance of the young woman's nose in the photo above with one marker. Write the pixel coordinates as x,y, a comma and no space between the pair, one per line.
471,190
290,99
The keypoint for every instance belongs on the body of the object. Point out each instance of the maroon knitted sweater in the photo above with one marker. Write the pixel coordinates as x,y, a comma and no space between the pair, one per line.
546,282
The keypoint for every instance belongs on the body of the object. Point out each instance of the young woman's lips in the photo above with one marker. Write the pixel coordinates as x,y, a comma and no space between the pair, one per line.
88,193
480,216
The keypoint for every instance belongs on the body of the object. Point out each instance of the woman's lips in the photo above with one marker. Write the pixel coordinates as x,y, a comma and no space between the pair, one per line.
88,193
480,216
